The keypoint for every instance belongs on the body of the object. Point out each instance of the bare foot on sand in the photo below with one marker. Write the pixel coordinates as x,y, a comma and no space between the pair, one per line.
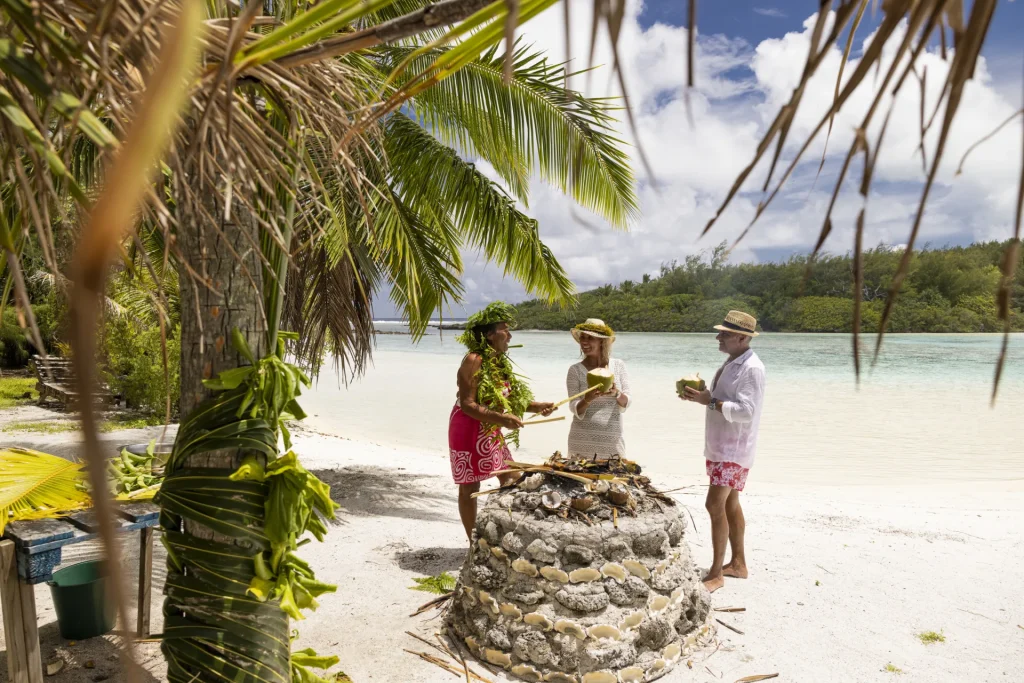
736,571
713,584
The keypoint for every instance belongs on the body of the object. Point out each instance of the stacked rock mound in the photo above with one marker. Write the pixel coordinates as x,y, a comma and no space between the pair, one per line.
572,582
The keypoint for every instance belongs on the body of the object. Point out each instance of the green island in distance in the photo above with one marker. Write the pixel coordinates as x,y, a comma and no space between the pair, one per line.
947,290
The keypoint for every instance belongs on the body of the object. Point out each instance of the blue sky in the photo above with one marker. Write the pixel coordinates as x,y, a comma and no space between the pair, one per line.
748,55
755,21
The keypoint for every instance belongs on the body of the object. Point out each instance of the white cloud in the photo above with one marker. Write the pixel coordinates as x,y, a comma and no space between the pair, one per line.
770,12
739,89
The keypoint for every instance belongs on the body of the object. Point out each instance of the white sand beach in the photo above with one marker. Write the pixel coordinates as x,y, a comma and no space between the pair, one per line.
843,579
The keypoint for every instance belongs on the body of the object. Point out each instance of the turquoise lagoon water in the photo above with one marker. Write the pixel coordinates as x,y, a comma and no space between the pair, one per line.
921,414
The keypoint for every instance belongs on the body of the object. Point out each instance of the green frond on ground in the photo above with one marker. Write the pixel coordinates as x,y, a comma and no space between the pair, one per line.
442,584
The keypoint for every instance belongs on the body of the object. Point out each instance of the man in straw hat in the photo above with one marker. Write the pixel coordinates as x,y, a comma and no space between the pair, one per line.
730,438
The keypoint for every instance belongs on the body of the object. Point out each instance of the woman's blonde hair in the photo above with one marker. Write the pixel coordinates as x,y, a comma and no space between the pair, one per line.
606,349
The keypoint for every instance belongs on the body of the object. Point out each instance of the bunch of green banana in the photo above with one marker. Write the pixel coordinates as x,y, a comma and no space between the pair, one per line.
134,475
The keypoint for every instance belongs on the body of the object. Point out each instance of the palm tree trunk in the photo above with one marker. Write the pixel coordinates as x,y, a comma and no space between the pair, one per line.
230,297
213,526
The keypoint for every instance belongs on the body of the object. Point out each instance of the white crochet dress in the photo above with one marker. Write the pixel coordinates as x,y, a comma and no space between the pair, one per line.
599,432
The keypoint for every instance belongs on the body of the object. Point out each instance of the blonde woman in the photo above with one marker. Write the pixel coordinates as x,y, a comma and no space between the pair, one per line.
596,430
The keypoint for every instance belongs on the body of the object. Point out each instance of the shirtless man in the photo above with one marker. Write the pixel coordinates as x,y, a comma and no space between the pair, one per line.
730,438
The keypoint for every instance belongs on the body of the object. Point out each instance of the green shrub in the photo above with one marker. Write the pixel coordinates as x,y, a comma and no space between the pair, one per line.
48,320
14,346
134,364
946,290
819,314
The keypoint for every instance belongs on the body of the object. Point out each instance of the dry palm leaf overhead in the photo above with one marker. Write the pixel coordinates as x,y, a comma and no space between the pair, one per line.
909,26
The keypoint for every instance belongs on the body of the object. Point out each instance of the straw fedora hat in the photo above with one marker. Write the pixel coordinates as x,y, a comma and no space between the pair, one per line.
740,323
593,327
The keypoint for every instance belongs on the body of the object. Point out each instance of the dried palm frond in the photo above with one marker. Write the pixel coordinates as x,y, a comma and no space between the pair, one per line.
908,27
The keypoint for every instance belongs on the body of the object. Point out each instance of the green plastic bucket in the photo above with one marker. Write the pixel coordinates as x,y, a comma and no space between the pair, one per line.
80,599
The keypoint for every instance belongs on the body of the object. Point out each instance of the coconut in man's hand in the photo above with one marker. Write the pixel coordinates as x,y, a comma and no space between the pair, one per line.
693,381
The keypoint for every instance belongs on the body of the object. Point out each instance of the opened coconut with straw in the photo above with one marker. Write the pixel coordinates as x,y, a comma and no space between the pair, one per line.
598,387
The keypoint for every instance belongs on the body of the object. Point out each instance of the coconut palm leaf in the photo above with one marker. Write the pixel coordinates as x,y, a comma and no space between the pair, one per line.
431,175
442,584
440,203
535,123
36,485
441,191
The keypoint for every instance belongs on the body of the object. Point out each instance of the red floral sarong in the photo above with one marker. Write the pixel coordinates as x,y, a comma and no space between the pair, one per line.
727,474
476,450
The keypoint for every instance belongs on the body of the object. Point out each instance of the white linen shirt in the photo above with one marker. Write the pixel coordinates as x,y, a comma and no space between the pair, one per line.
731,435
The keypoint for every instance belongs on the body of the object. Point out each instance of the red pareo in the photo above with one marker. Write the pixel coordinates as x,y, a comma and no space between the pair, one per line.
476,450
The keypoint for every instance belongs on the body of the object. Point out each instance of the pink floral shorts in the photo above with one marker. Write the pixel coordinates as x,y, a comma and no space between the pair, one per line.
727,474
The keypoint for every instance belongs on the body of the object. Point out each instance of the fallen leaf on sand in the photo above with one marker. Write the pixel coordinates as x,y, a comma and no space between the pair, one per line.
758,677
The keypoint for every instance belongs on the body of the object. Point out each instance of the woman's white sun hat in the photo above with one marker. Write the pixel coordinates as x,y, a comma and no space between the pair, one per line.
593,327
740,323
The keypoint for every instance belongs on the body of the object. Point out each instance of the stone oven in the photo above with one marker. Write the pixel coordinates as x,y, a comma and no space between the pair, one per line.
580,574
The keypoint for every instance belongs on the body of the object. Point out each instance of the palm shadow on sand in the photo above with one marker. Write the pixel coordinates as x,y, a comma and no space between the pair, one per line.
432,561
370,491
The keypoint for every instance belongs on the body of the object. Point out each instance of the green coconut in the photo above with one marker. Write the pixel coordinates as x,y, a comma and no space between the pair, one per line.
601,377
693,381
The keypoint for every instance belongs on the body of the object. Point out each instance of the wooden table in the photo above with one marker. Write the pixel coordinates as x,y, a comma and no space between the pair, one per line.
30,551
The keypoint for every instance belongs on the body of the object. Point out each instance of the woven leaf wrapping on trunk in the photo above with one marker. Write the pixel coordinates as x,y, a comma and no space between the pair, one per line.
229,598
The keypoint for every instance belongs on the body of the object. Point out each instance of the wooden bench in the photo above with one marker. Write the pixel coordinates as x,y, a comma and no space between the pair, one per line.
31,550
55,379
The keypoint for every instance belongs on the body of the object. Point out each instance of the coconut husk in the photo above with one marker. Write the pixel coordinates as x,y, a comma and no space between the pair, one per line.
588,490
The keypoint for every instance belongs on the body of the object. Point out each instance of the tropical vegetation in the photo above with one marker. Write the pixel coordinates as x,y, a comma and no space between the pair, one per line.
265,154
320,156
946,290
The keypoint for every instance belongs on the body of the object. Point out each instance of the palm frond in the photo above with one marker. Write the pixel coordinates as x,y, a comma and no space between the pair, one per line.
442,584
397,9
419,255
533,124
433,178
36,485
329,304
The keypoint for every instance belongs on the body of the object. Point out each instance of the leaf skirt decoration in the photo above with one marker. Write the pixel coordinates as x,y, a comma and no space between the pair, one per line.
233,577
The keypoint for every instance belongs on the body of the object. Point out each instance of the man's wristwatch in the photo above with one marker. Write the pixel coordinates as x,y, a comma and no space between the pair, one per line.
713,404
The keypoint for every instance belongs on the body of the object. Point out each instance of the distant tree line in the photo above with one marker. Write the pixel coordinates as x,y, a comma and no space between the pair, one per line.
947,290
